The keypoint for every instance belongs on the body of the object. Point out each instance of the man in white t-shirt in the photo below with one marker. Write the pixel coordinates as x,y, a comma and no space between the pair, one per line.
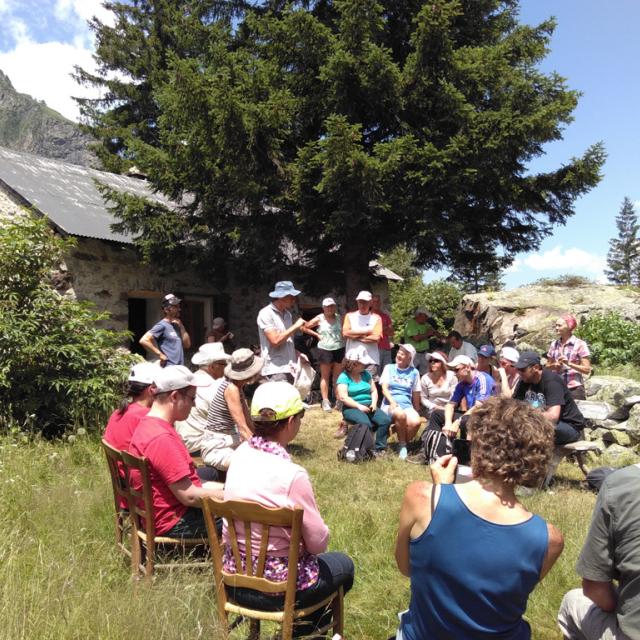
363,327
460,347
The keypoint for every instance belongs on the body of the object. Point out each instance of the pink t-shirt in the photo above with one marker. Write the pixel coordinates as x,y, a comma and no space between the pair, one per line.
274,481
119,431
169,461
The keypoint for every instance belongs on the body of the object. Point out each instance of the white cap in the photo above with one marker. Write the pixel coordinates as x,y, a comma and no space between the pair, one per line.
421,311
364,295
410,349
175,378
359,354
209,352
143,372
461,360
327,302
510,354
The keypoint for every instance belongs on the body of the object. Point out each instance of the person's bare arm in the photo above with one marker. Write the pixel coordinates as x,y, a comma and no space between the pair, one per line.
552,413
343,395
184,336
235,405
416,505
190,495
149,343
375,334
554,549
309,326
387,394
374,395
276,338
450,429
415,398
602,594
583,367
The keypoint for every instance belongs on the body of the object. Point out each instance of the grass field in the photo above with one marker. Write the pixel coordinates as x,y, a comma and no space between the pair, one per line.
61,577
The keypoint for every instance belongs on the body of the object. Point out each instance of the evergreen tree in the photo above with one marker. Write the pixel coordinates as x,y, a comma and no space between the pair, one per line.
322,133
623,257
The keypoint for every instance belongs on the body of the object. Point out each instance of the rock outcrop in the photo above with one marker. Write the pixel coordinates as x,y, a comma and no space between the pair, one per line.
29,125
528,313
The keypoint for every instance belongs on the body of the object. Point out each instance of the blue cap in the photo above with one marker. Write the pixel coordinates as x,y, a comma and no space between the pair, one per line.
487,351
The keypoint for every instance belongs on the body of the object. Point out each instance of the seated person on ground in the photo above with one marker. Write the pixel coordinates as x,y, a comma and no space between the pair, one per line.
486,361
262,471
473,388
509,375
545,390
603,609
437,385
229,421
212,360
401,390
175,485
359,396
473,553
460,347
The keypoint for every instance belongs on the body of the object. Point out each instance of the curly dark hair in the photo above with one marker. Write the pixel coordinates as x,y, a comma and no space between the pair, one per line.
510,441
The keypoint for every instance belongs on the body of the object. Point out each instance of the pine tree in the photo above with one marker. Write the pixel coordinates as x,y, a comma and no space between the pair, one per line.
325,132
623,257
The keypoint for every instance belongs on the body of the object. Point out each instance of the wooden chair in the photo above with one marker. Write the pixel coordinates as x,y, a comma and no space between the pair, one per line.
144,541
120,488
248,513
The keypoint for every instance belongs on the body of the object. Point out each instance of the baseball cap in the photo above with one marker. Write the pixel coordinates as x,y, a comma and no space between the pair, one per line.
421,311
510,354
527,359
218,322
170,300
487,351
327,302
359,354
281,397
175,378
143,372
460,361
364,295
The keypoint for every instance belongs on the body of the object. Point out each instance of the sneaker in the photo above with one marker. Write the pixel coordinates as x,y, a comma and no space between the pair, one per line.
339,405
326,405
379,453
417,458
403,453
342,431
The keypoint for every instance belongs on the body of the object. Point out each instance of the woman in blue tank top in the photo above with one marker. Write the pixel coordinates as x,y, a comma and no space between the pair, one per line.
472,551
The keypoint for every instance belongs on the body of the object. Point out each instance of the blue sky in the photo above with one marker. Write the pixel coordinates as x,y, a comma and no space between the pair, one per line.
595,47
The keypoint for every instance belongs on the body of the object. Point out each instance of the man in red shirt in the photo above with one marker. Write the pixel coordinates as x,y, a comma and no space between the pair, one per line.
175,485
384,344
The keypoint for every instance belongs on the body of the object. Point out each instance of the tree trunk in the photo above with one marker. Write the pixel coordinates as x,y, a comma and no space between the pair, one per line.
356,273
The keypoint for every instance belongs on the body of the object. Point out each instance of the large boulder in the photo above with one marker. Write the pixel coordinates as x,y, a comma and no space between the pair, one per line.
528,313
620,394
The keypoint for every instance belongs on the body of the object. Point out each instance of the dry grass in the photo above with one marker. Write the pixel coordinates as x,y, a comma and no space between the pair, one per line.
60,575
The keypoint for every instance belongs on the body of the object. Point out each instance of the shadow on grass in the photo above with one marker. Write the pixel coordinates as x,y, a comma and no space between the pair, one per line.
300,451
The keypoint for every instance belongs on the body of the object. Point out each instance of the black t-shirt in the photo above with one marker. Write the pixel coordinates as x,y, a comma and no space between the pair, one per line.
549,392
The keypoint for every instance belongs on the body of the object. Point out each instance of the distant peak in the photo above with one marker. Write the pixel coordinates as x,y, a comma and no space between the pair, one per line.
5,82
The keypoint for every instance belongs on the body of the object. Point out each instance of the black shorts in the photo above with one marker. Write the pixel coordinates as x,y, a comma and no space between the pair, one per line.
329,357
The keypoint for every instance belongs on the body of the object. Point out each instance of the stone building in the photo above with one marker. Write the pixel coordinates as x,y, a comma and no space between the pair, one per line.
105,267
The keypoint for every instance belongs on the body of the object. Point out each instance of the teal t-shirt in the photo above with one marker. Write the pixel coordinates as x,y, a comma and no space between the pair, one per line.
358,391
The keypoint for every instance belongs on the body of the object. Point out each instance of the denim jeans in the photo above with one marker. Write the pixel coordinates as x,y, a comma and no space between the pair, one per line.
378,421
565,433
336,569
191,525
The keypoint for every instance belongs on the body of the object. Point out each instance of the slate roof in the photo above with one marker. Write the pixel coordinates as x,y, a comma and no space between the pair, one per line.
66,193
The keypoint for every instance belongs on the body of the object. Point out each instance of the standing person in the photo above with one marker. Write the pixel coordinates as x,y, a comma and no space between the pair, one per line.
176,488
327,328
547,392
401,390
276,330
437,385
211,360
220,333
569,356
473,553
168,338
460,347
229,421
384,344
262,471
364,328
602,609
509,375
417,332
359,396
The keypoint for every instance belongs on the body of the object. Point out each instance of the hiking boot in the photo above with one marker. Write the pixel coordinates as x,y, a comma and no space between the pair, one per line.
342,431
417,458
326,405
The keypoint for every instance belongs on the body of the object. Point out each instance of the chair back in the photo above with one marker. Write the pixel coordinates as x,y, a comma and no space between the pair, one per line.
141,502
118,476
252,515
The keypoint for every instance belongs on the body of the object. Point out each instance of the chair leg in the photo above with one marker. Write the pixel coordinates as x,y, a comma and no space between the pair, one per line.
579,455
150,554
337,611
555,463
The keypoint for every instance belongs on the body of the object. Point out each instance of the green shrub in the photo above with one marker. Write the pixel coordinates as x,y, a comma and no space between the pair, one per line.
58,368
612,339
565,280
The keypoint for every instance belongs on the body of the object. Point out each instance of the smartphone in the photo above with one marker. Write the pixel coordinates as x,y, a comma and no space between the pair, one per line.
462,451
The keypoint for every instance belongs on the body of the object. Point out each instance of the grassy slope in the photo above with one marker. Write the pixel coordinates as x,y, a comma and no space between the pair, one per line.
60,576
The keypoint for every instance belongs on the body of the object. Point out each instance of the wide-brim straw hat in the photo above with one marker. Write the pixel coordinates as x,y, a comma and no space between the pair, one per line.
209,353
244,364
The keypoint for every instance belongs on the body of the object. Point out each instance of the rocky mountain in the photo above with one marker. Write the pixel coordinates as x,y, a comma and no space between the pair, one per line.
29,125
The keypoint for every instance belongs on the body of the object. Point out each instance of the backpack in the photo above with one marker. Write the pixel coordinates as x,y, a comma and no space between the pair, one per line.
435,444
358,444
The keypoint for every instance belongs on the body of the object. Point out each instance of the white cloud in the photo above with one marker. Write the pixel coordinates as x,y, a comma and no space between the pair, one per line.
43,70
571,260
82,10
